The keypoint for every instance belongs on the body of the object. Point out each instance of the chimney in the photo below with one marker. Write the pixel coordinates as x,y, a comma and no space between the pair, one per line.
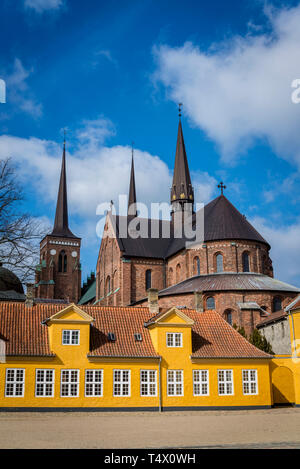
153,300
199,301
30,294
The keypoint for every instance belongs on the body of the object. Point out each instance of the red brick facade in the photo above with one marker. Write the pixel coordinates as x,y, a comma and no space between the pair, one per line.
58,276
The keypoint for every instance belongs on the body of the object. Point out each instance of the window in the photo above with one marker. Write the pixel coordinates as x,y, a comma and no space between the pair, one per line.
69,383
148,279
219,261
121,382
175,382
178,273
225,381
174,339
246,262
171,276
277,304
108,286
44,383
250,382
70,337
62,262
201,385
210,303
93,383
15,380
196,266
228,316
148,382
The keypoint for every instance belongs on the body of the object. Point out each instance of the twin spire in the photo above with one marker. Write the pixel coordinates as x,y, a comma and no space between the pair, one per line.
61,222
132,210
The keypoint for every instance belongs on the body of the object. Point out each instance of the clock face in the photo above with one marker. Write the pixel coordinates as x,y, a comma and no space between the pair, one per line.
74,254
53,252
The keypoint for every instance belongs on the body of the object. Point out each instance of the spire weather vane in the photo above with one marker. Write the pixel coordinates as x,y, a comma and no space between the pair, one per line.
180,109
222,187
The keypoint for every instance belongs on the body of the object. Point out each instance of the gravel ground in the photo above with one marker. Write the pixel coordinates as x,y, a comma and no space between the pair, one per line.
274,428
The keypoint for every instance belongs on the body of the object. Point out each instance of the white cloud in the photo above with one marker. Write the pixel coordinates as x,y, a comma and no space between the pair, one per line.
285,251
43,5
18,92
240,89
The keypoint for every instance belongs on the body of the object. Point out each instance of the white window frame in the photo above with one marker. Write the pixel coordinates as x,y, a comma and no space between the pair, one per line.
175,382
250,381
147,383
122,383
71,332
44,382
15,382
200,382
226,382
93,383
69,383
172,342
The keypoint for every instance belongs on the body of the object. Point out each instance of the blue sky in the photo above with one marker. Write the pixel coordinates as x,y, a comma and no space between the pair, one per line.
113,72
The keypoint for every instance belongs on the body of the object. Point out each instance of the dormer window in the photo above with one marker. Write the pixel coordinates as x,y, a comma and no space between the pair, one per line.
174,339
138,337
111,337
70,337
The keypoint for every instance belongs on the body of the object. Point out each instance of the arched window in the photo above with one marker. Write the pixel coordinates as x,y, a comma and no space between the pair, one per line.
210,303
246,262
108,287
277,304
196,265
228,316
62,262
171,276
219,262
178,273
115,280
148,279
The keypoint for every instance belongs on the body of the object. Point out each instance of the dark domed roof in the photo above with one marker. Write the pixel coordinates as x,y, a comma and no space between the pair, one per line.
9,281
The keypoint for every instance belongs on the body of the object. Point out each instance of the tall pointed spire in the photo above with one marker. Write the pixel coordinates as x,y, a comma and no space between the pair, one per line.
132,191
182,192
61,223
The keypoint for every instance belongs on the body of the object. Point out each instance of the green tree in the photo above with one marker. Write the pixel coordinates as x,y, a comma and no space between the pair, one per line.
259,341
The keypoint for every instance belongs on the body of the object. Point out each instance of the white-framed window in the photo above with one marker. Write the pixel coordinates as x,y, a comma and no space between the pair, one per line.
201,382
175,382
93,383
174,339
148,383
70,337
15,382
250,386
44,383
225,382
69,385
121,383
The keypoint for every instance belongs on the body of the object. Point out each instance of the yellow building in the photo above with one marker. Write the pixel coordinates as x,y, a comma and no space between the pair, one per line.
123,358
282,330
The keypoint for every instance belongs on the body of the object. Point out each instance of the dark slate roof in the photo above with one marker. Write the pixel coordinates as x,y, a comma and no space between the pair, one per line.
12,295
272,318
229,282
222,221
89,296
9,281
61,223
132,191
182,186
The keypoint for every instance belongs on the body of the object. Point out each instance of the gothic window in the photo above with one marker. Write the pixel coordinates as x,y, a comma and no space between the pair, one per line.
178,273
115,280
210,303
62,262
246,262
171,276
196,266
148,279
219,262
108,287
228,316
277,304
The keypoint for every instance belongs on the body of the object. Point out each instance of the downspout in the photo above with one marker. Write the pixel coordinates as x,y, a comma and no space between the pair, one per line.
159,385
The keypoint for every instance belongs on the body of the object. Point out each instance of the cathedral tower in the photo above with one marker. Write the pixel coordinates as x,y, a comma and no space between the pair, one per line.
58,276
182,192
132,210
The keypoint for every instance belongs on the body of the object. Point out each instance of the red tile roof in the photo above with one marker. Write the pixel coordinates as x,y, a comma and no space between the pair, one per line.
212,336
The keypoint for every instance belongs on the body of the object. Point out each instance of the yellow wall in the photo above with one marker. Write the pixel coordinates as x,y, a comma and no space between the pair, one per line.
75,357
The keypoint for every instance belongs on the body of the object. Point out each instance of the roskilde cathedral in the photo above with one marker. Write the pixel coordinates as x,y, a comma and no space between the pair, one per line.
231,272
